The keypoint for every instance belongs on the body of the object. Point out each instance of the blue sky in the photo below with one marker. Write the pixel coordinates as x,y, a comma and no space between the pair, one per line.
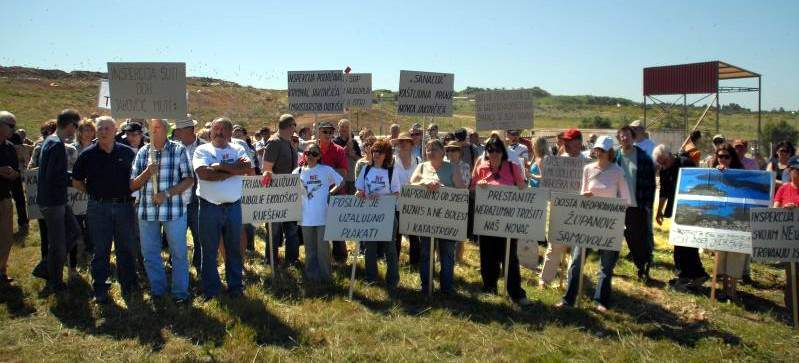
578,47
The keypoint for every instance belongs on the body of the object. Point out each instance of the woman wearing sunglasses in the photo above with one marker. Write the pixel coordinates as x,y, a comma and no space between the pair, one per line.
730,264
779,163
495,169
317,179
434,174
375,181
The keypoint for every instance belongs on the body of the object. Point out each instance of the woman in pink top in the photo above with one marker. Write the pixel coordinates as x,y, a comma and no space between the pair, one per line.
602,178
495,169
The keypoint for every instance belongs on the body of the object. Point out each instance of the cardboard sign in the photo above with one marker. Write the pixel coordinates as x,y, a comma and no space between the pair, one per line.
280,202
316,91
712,207
590,222
562,173
76,199
504,110
350,218
440,214
775,234
425,94
506,211
358,90
148,90
104,95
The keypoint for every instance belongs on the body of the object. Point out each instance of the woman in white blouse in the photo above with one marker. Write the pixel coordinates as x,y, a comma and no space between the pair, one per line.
602,178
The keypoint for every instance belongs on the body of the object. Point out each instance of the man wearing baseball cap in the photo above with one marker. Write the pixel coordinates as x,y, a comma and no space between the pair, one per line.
741,146
517,152
718,140
642,139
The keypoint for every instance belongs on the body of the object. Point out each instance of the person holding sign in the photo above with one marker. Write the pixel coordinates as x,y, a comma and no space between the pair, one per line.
495,169
162,181
788,197
219,166
730,264
434,174
9,173
601,178
317,179
404,165
280,157
375,180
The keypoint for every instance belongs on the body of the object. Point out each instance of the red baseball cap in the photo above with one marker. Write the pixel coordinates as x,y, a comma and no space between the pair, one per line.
572,134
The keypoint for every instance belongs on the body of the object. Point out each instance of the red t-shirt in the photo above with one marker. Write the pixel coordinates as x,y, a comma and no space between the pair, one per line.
787,194
507,176
333,156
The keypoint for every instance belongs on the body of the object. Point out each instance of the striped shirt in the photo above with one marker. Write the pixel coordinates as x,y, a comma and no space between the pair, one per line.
173,167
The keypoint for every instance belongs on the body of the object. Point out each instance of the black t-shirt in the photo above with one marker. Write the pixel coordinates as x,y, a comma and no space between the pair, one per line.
107,175
8,157
668,181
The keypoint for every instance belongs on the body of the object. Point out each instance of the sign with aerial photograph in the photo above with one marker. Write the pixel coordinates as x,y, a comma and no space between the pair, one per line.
712,207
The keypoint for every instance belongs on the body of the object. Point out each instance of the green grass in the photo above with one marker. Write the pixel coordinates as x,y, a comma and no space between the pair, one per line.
289,320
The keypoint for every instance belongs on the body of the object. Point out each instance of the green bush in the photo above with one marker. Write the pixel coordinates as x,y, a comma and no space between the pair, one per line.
780,131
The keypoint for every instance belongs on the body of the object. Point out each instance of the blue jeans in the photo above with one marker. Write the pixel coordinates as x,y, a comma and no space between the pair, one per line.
289,230
446,254
154,264
220,220
107,222
607,260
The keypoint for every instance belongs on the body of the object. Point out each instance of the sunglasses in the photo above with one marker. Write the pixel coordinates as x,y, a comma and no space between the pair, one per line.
312,153
723,156
326,132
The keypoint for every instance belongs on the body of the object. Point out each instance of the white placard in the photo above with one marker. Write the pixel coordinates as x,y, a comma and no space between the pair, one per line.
506,211
589,222
350,218
504,110
562,173
104,95
425,94
316,91
358,90
148,90
76,199
280,202
440,214
775,234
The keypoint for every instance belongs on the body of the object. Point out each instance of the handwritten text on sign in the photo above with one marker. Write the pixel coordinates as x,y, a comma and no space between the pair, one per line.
76,199
148,90
358,90
440,214
316,91
280,202
562,173
425,94
506,211
504,110
350,218
775,234
712,239
590,222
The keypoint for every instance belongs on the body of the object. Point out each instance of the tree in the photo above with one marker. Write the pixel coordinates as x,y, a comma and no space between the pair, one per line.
596,122
780,131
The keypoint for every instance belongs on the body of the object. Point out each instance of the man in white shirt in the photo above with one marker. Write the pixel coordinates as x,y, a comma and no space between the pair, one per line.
642,139
219,166
517,152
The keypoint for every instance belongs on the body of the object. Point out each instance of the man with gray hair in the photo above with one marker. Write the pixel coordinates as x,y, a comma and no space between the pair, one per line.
642,139
353,151
161,173
9,173
219,165
102,171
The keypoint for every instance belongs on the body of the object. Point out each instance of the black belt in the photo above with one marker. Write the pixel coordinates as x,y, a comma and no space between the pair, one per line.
230,204
114,200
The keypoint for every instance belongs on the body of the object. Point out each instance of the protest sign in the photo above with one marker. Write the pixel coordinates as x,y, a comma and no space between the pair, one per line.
711,208
587,222
316,91
504,110
350,218
76,199
440,214
358,90
506,211
279,202
775,234
562,173
425,94
104,95
147,90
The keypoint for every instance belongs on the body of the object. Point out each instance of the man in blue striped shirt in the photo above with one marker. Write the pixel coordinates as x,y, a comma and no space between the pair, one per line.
161,170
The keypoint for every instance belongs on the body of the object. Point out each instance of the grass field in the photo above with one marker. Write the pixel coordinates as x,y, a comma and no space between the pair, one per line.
289,320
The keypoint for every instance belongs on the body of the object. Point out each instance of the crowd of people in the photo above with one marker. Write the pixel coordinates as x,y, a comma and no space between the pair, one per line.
151,182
